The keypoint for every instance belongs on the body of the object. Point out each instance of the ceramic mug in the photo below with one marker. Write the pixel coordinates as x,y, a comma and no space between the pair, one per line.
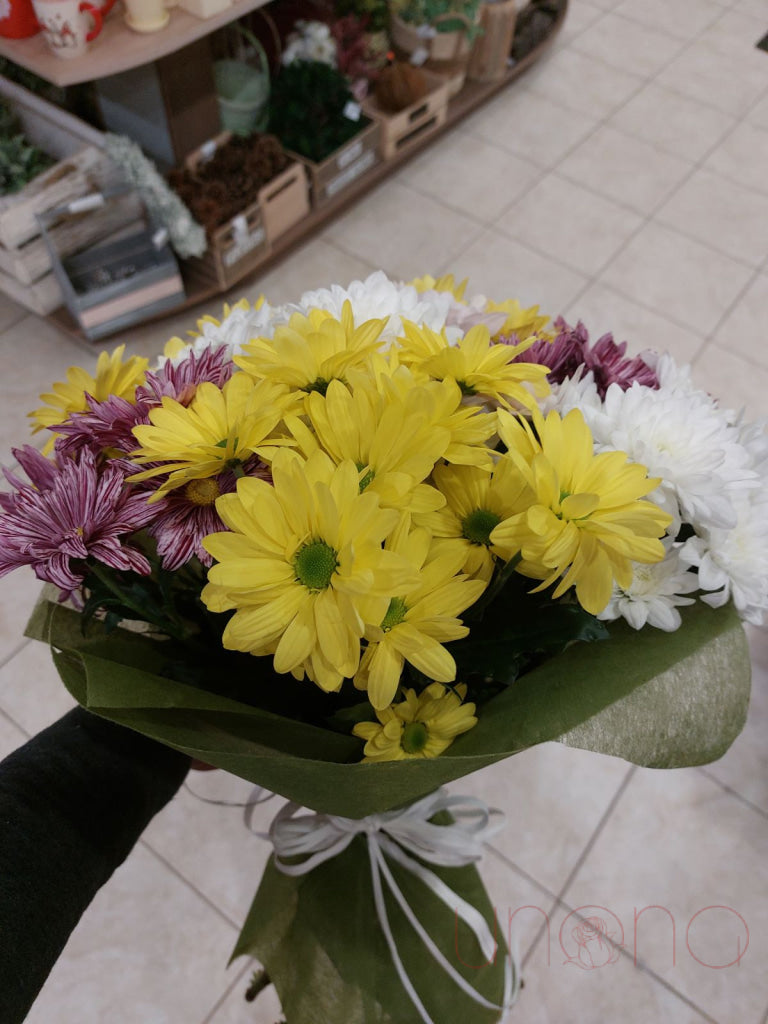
69,26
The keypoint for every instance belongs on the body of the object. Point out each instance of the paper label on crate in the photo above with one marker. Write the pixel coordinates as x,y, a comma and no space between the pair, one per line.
419,56
342,180
348,155
208,150
352,111
89,202
243,245
239,227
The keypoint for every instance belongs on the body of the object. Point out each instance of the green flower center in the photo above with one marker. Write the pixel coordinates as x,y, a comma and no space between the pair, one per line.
365,480
395,614
478,526
414,738
319,384
466,389
202,492
315,564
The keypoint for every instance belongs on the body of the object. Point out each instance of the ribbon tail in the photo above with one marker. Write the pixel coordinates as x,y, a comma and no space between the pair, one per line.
377,862
437,954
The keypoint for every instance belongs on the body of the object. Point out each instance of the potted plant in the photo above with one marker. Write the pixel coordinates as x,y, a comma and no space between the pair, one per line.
444,28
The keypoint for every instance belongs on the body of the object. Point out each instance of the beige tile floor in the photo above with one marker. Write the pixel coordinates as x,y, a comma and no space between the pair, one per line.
623,180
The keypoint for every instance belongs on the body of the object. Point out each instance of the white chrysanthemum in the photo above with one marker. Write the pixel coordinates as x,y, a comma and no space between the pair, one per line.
734,563
379,298
237,327
655,594
577,392
683,437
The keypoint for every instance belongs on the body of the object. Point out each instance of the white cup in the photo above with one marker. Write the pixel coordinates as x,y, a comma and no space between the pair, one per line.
146,15
69,26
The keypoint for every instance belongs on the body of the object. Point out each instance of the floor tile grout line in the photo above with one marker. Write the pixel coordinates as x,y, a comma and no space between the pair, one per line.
560,897
709,338
9,718
189,884
500,855
597,832
8,658
225,995
734,793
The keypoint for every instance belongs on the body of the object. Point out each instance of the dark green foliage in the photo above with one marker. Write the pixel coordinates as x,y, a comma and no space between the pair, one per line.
307,109
376,11
20,161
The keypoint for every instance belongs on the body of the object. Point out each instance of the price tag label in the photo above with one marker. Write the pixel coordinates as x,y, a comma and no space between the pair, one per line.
208,149
419,56
352,111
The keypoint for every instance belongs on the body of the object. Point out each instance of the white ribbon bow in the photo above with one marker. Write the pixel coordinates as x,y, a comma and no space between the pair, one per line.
318,837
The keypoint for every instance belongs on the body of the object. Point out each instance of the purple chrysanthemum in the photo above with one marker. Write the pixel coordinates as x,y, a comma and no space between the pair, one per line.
70,512
109,424
180,380
105,425
189,514
606,360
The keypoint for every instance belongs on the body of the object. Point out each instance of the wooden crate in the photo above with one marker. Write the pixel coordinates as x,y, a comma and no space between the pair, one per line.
345,165
42,297
30,262
69,179
234,250
284,201
414,122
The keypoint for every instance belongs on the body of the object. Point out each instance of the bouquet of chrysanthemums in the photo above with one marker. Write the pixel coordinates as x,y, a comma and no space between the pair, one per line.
357,547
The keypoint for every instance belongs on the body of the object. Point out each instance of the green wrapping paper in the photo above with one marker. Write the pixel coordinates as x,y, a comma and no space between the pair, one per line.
320,941
657,699
631,696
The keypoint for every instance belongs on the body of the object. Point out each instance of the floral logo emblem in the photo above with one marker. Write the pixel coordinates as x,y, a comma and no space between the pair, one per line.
591,943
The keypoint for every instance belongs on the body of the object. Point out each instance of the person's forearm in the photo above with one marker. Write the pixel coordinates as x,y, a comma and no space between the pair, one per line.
73,802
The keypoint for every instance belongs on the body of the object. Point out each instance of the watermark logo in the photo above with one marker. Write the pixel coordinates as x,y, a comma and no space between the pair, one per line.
591,937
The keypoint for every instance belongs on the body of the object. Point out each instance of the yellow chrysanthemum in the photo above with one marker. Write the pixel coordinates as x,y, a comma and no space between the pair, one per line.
522,322
477,365
476,502
302,555
310,351
113,376
220,429
415,625
420,726
470,426
585,524
446,283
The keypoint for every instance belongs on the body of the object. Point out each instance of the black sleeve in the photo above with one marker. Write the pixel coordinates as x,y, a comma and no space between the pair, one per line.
73,802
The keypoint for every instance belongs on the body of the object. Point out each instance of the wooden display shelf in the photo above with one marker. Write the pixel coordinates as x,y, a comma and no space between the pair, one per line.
472,96
118,48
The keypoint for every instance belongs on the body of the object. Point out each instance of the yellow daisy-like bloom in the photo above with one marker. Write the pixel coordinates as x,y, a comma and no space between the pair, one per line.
470,427
389,437
476,502
309,352
113,376
220,429
585,523
477,365
523,322
302,555
446,283
420,726
415,625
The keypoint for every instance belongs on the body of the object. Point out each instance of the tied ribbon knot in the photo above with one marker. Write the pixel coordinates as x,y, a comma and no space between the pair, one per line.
319,837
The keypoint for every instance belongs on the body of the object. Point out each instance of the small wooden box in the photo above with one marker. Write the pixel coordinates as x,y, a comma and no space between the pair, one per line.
234,251
284,201
414,122
344,166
